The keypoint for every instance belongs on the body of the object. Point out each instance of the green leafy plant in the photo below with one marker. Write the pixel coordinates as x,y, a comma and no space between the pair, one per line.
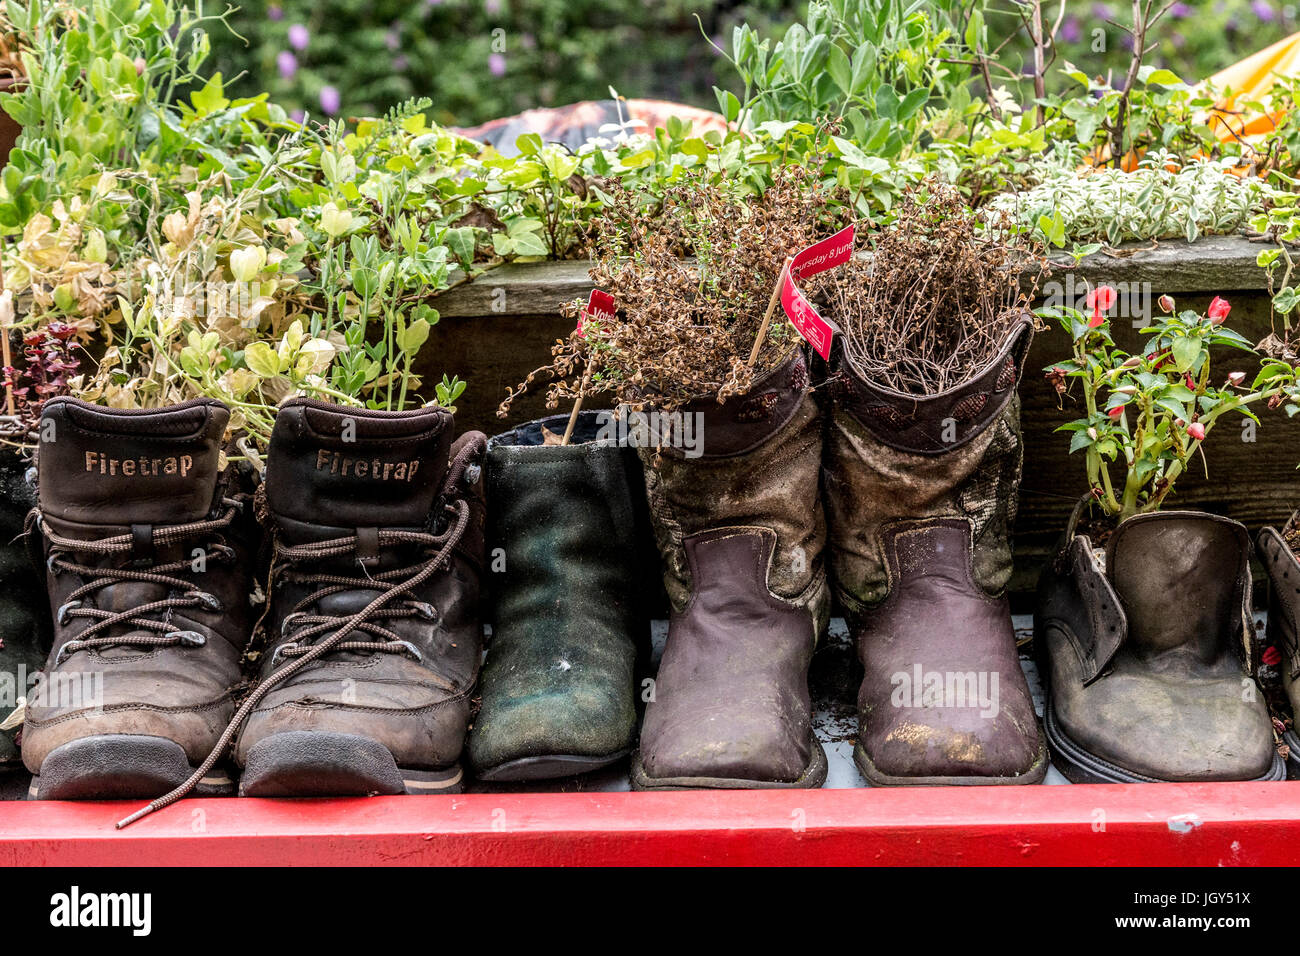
1148,415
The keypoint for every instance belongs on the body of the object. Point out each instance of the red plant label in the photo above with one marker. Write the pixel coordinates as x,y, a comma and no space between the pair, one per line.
819,332
827,254
600,306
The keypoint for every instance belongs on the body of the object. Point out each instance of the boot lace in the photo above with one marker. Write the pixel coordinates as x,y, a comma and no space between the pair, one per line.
305,626
365,621
149,621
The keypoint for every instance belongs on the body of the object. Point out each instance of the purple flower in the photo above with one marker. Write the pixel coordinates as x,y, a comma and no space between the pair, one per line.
400,63
330,100
287,64
497,64
1071,31
1100,11
1264,10
1180,11
275,12
297,116
492,6
298,36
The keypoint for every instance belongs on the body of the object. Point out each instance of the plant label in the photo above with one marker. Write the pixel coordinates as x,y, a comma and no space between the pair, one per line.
600,306
827,254
819,332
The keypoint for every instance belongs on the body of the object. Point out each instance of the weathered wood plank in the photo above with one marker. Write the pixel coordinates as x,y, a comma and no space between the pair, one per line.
1213,263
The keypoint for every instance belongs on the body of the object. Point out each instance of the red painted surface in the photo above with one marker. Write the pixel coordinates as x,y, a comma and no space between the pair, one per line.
1150,824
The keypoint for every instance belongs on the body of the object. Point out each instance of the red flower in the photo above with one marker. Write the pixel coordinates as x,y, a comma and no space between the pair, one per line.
1218,310
1115,413
1272,656
1196,430
1099,300
1103,297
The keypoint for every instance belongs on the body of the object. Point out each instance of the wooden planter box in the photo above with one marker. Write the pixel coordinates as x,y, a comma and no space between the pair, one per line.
497,329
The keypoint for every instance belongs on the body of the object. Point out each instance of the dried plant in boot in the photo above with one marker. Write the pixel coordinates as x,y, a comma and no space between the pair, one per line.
936,299
685,328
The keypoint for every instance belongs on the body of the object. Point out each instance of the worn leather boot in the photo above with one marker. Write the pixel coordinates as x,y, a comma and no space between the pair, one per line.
1146,645
373,639
740,529
558,687
920,497
1283,630
149,570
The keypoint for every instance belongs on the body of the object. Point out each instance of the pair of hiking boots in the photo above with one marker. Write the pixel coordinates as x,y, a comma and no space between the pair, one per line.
368,533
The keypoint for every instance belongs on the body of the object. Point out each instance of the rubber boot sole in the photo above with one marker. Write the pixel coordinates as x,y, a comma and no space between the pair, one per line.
304,763
813,776
1082,766
876,778
548,767
121,766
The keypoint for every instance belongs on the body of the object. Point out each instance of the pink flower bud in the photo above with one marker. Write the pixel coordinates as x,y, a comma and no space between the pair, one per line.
1197,431
1218,310
1166,303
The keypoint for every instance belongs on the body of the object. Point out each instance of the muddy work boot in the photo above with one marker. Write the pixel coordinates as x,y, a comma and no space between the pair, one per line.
920,498
149,571
559,683
373,638
1146,646
740,529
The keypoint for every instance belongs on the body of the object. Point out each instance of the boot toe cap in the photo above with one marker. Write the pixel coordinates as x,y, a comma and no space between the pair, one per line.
722,744
1170,729
921,744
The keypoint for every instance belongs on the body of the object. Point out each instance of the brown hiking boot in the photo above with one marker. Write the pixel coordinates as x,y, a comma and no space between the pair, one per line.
149,573
741,531
920,497
373,634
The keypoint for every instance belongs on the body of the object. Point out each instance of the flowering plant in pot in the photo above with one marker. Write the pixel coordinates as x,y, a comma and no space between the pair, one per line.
1145,617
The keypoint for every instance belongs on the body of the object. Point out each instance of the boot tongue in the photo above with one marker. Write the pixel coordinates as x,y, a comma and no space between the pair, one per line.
331,467
113,467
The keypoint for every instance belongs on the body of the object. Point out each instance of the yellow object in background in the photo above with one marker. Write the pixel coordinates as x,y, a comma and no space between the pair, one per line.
1250,80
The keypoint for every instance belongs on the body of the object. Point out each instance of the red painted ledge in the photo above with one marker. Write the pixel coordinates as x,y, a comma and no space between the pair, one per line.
1147,824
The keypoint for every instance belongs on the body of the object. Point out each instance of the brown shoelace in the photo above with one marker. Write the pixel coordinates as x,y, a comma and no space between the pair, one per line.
362,621
148,617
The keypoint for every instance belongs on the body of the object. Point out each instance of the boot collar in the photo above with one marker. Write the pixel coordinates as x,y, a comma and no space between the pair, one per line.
938,423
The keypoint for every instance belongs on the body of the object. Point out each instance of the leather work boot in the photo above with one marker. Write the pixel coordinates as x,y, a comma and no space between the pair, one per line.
920,495
1284,619
559,683
149,567
25,631
1146,644
372,640
740,530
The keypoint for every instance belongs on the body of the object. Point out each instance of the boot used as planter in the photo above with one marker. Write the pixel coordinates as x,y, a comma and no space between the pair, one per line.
372,638
740,529
920,495
24,606
1145,645
558,685
1284,618
148,550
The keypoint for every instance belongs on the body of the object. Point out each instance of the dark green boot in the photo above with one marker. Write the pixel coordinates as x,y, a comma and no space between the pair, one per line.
559,684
